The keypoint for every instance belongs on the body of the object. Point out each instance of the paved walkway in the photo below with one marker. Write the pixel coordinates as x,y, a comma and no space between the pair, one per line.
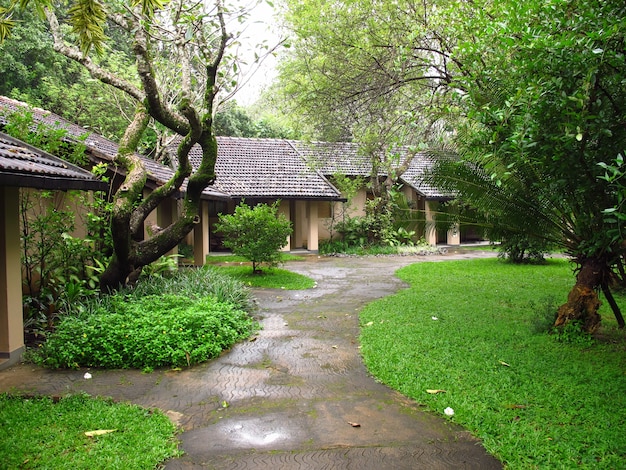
286,400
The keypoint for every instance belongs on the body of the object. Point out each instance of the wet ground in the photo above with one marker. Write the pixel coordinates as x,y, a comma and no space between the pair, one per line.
297,395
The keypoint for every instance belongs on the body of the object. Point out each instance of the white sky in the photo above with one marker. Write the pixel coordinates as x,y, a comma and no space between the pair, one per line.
261,26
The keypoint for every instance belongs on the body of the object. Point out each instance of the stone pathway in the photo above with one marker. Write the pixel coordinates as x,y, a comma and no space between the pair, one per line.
286,400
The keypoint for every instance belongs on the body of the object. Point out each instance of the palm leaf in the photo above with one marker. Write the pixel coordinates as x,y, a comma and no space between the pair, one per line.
88,18
6,24
148,7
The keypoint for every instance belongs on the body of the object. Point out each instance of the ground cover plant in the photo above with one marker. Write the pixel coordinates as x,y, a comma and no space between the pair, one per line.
335,247
41,432
163,322
473,337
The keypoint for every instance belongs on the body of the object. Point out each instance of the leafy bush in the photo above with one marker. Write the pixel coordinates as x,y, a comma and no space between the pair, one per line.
519,248
146,332
375,228
354,231
195,283
256,233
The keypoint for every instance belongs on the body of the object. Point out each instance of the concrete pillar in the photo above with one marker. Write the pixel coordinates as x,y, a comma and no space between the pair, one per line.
285,208
11,316
201,236
313,238
454,235
430,208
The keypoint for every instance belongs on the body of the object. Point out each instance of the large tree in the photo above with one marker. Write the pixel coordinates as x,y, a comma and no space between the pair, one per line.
34,73
194,37
368,72
543,97
534,91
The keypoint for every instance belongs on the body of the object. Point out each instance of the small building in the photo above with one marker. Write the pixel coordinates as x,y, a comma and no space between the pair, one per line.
344,158
266,171
24,166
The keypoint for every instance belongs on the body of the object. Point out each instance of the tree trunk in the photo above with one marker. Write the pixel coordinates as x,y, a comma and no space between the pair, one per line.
582,302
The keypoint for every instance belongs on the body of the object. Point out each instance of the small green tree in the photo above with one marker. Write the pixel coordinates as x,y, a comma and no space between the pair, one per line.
256,233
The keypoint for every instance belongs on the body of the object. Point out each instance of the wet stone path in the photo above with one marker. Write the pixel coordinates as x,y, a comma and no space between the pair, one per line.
290,397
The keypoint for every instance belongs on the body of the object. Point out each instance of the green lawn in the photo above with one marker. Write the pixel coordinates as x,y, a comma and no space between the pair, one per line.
270,278
41,433
477,329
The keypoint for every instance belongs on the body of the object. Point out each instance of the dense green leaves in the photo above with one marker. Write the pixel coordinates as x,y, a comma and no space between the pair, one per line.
256,233
151,331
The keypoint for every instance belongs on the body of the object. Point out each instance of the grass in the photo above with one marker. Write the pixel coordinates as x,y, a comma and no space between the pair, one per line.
477,329
42,433
270,278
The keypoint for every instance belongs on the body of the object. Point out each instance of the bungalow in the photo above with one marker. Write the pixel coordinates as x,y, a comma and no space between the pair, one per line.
100,149
297,173
23,166
344,158
265,171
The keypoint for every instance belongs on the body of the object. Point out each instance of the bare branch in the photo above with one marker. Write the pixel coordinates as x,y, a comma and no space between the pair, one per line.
95,71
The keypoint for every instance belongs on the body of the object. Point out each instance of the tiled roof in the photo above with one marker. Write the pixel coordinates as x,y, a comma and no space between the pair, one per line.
26,166
265,168
99,146
346,159
335,157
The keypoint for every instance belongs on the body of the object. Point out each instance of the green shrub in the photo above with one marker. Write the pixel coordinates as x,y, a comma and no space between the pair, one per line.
145,333
256,233
523,249
195,283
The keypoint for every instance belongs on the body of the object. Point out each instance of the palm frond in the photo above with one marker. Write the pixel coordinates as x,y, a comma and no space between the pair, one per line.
6,24
88,18
513,206
148,7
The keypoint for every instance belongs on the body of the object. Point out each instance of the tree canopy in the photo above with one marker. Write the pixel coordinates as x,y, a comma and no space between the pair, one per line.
181,64
528,95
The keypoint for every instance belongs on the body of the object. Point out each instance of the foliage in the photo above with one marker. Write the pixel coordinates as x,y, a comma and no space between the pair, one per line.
349,72
233,121
340,247
34,73
519,248
21,125
541,119
476,338
39,432
164,266
256,233
615,216
185,250
55,263
386,222
151,331
194,283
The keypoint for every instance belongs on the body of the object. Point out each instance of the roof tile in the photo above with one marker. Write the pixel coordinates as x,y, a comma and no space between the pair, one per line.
24,165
